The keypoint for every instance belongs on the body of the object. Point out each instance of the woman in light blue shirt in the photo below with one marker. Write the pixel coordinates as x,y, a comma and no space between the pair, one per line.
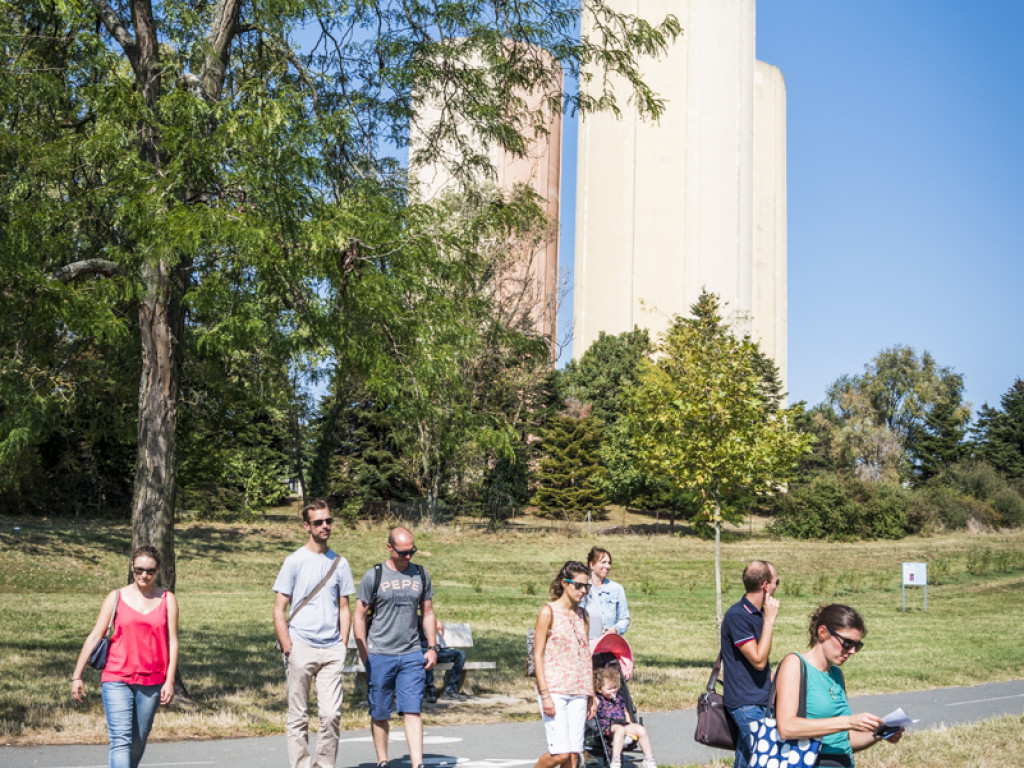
606,601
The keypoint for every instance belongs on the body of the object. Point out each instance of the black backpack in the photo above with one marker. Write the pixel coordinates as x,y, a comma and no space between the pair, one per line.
378,569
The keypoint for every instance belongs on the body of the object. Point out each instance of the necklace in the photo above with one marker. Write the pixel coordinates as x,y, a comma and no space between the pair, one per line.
834,689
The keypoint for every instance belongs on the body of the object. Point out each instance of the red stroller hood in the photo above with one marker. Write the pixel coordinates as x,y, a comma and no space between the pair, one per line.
614,643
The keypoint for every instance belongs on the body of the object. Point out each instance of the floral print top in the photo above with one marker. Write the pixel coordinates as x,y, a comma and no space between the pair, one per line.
567,654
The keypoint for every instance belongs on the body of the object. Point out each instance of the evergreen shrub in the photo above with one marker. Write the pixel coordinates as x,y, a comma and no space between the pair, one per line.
1008,504
937,508
822,509
884,511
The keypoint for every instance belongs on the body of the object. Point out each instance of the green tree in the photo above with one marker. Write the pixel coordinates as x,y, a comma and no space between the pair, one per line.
881,413
186,152
700,419
604,371
569,466
941,442
235,444
355,457
999,433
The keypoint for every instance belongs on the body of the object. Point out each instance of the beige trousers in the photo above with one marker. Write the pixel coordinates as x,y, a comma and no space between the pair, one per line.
326,665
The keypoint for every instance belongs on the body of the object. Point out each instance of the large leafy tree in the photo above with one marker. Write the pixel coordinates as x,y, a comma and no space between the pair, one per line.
170,152
604,371
600,378
702,420
881,413
1000,432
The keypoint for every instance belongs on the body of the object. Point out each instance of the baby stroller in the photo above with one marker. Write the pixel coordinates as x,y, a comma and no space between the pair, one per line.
610,650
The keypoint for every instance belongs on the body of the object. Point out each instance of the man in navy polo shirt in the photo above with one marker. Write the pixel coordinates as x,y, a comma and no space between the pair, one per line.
746,644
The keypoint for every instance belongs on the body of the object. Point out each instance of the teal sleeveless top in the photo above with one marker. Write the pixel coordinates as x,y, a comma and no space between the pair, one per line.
826,697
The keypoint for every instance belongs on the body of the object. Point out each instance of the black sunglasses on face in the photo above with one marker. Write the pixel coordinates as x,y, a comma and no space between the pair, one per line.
147,571
581,586
848,645
321,521
403,552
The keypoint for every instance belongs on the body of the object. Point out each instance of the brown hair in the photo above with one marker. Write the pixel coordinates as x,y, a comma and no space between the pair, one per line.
834,616
146,550
756,574
595,555
606,676
314,504
570,569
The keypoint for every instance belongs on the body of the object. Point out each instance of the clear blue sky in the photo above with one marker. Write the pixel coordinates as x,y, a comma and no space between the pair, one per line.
906,185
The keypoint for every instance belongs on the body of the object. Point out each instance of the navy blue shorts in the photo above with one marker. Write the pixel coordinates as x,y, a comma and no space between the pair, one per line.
395,680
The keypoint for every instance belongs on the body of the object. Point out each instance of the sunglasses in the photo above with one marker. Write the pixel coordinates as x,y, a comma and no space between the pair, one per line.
848,645
321,521
584,586
147,571
403,552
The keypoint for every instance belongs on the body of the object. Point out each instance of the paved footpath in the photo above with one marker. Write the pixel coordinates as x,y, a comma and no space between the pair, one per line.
513,745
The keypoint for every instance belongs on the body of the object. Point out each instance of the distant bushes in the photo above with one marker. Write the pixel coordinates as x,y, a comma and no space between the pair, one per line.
967,495
832,508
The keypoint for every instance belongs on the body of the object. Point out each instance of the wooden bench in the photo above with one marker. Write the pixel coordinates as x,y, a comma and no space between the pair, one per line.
456,635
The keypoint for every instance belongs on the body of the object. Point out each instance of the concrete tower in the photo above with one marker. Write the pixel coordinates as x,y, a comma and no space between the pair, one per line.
697,200
531,279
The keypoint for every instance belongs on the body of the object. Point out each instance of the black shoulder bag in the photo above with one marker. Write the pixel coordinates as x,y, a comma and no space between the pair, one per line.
714,726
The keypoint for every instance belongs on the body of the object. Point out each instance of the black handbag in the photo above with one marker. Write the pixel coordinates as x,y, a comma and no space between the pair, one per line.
98,657
714,726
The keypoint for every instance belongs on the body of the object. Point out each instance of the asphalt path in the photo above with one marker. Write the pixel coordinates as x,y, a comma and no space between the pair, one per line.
513,745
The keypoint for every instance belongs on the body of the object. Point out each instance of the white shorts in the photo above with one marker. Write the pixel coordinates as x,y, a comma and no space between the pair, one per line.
565,730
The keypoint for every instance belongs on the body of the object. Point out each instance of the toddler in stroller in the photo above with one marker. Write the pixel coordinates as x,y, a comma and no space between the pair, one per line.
617,726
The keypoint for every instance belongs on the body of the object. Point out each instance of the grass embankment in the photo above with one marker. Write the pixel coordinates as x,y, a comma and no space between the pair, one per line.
54,573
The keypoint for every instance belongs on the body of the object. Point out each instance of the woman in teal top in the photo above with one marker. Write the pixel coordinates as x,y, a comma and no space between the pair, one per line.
837,633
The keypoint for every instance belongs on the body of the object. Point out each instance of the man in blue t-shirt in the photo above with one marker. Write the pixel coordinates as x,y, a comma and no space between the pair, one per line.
314,639
390,649
746,644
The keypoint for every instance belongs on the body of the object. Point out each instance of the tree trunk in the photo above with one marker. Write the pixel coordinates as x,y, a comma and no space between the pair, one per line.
298,461
161,323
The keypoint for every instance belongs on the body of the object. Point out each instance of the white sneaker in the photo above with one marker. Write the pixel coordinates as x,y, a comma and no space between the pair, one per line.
650,762
615,763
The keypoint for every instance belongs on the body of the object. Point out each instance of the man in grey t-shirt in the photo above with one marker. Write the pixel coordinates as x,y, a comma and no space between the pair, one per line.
314,640
390,647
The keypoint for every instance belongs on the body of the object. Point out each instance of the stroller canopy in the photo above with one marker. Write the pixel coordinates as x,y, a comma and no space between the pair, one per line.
615,644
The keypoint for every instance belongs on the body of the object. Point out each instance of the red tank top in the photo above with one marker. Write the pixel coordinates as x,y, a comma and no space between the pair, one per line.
138,646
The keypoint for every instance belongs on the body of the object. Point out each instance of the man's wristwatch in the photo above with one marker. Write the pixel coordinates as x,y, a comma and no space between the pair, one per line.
431,647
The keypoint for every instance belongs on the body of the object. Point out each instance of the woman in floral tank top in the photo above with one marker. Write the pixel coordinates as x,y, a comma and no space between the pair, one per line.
561,658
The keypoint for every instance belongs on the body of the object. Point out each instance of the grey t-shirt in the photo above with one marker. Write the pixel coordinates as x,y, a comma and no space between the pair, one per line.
317,623
395,627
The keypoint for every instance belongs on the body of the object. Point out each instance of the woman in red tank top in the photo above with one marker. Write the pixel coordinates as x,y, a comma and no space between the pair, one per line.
143,658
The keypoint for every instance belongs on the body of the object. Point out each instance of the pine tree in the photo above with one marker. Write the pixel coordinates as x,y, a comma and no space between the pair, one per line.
1001,432
941,441
569,466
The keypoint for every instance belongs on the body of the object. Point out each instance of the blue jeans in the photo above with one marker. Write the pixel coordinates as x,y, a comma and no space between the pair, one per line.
453,677
130,711
744,717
